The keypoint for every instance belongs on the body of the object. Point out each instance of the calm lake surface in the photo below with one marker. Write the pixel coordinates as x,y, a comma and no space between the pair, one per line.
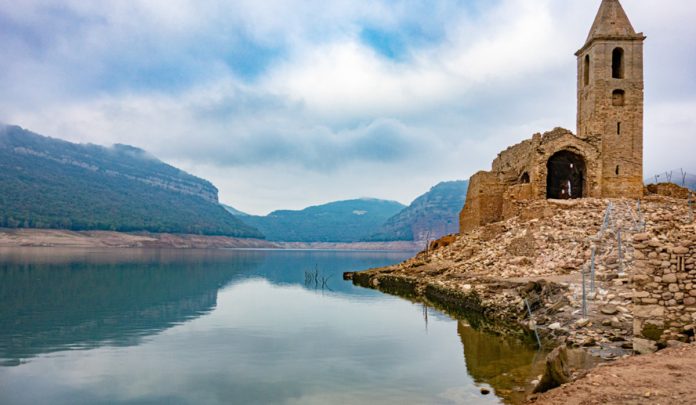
224,326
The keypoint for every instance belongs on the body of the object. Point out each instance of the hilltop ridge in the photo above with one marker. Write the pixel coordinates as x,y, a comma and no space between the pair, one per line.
51,183
340,221
430,216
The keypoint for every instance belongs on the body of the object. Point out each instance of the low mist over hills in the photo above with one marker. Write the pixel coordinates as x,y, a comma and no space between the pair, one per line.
430,216
342,221
50,183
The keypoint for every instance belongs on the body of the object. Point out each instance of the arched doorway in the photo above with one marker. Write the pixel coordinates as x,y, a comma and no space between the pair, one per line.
565,176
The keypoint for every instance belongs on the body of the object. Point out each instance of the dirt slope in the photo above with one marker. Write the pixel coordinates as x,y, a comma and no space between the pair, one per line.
666,377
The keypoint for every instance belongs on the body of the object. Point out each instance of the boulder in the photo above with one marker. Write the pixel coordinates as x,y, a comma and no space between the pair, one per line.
556,372
644,346
609,309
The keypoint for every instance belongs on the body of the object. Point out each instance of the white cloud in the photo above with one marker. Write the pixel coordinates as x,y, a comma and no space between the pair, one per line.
329,116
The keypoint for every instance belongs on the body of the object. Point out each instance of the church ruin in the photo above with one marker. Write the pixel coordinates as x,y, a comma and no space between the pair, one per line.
604,159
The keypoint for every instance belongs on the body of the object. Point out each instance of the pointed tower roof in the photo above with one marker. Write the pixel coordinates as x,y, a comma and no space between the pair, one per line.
612,23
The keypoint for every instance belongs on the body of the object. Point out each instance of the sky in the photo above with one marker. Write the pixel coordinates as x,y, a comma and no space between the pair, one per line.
289,103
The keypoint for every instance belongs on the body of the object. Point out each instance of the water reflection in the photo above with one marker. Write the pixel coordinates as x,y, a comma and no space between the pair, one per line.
173,326
53,299
506,364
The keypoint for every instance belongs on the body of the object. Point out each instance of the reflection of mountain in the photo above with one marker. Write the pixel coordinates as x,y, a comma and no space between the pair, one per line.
92,300
503,363
55,299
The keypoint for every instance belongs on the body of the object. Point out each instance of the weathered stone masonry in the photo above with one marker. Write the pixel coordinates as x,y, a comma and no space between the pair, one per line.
603,160
664,283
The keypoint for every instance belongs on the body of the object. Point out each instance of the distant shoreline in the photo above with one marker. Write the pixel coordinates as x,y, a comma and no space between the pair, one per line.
109,239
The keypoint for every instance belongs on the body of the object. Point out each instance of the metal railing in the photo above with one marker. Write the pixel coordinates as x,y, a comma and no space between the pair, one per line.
532,322
684,179
619,219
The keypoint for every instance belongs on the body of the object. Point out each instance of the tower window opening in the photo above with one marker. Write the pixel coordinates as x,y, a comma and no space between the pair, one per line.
618,98
680,263
618,128
617,63
586,70
617,170
525,178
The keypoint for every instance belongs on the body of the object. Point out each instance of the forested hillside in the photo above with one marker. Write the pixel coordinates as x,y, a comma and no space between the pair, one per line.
341,221
430,216
49,183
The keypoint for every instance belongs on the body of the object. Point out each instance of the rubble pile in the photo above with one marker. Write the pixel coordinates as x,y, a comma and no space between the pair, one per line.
539,259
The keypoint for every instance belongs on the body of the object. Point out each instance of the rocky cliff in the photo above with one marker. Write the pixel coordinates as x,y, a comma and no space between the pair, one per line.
430,216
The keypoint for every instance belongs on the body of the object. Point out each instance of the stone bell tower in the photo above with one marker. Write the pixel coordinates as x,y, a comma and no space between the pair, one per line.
610,99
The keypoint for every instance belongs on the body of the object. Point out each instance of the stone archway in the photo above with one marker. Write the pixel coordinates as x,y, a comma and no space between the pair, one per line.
566,174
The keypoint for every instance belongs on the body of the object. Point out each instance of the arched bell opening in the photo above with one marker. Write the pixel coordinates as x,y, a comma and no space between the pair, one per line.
566,174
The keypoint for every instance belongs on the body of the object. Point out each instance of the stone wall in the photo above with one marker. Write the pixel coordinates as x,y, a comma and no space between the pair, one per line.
484,201
516,160
520,173
664,282
563,140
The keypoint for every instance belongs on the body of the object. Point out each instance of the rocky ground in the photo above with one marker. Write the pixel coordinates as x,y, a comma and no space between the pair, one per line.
540,258
665,377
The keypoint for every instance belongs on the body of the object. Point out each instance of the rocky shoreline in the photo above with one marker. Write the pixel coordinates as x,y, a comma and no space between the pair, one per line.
534,263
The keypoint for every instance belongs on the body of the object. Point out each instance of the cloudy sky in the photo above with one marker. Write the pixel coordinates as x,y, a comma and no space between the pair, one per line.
289,103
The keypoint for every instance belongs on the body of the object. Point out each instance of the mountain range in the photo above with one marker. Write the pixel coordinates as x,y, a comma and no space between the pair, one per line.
54,184
430,216
340,221
50,183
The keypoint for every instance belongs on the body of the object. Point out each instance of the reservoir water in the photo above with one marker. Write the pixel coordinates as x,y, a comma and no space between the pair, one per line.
127,326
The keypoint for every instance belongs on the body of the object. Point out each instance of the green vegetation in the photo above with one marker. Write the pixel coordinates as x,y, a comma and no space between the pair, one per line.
49,183
342,221
430,216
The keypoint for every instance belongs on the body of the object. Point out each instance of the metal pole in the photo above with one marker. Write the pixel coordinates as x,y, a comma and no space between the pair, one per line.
605,224
592,270
635,218
529,310
584,296
618,235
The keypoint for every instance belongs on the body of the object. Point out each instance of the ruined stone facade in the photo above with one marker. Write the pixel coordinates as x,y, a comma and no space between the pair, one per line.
604,158
665,284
